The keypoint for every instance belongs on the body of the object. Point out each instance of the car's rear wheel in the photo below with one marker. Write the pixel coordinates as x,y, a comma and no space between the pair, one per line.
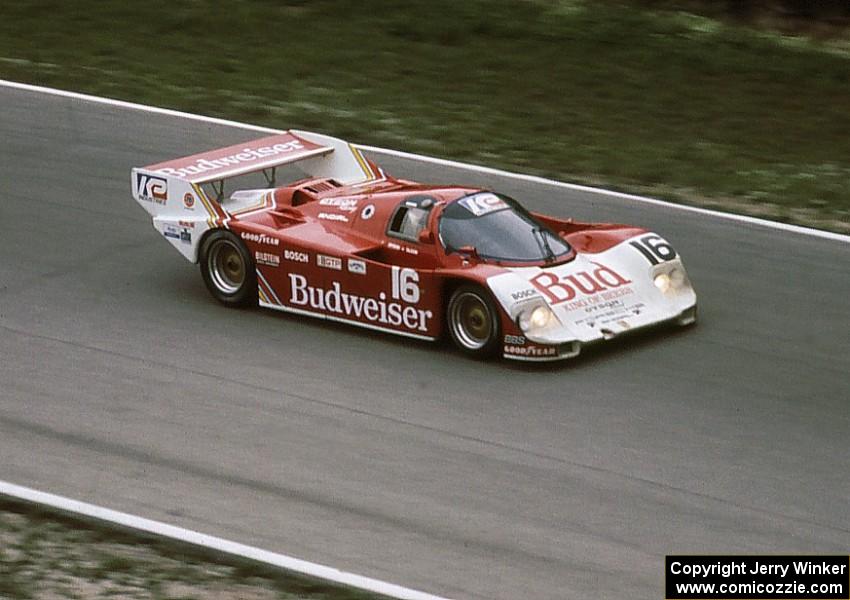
473,321
228,270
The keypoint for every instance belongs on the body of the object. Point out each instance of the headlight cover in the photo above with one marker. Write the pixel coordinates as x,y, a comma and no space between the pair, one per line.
671,278
535,317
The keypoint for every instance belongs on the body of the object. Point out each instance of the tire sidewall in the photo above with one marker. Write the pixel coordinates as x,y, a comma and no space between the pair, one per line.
246,294
491,347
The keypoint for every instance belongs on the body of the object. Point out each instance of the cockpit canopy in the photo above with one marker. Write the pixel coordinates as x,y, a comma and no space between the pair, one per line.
499,229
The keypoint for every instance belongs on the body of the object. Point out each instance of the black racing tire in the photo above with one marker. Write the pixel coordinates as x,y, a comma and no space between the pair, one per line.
472,319
228,269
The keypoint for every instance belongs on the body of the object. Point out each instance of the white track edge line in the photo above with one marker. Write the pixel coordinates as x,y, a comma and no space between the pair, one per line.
195,538
133,106
829,235
603,192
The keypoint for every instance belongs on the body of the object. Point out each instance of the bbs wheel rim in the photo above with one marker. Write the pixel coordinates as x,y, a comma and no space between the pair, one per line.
226,266
471,321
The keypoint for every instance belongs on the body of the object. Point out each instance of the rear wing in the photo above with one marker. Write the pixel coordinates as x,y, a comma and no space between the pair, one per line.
318,155
171,191
240,159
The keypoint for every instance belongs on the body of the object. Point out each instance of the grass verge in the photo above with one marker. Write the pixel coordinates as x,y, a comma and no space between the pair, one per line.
47,555
648,100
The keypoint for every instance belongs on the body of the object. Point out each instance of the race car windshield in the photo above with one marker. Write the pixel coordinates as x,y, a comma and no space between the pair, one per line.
498,228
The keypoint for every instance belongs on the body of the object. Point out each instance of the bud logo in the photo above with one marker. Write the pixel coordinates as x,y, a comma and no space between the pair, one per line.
335,301
152,188
586,283
260,238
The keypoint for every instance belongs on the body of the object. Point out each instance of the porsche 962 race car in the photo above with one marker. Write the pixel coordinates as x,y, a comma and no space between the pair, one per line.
352,244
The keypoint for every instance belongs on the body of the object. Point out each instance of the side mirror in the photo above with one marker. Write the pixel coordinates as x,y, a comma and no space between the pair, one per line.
468,251
426,237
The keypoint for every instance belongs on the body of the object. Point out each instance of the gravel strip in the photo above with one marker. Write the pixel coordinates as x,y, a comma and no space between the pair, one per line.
52,556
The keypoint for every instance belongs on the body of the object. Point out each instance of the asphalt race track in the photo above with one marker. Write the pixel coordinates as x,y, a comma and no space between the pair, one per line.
124,384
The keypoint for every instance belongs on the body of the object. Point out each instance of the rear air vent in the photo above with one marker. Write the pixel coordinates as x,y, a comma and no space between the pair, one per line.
311,190
323,185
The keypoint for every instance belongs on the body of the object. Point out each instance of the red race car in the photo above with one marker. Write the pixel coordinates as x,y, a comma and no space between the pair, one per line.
352,244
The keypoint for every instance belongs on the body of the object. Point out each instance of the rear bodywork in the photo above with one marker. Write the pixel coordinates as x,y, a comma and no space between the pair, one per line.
324,246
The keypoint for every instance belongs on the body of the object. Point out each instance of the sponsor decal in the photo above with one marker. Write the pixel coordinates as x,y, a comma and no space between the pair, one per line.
343,204
187,224
604,301
333,217
357,266
400,248
329,262
295,256
523,294
368,212
177,233
267,258
599,305
516,340
189,201
260,238
246,156
152,188
531,351
602,280
482,204
607,312
334,300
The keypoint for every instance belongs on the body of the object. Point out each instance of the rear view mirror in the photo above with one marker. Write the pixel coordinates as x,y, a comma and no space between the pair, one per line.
426,237
468,251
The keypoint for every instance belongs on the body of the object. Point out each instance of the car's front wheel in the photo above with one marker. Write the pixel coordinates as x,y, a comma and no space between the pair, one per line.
473,321
228,270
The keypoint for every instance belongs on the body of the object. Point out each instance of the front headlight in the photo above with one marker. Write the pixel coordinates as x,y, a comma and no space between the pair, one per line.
677,277
535,317
540,317
670,278
663,282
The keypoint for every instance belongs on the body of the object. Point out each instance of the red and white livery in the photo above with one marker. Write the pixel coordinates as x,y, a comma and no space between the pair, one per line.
350,243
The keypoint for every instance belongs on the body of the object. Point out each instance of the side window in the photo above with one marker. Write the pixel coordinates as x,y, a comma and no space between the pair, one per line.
409,219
